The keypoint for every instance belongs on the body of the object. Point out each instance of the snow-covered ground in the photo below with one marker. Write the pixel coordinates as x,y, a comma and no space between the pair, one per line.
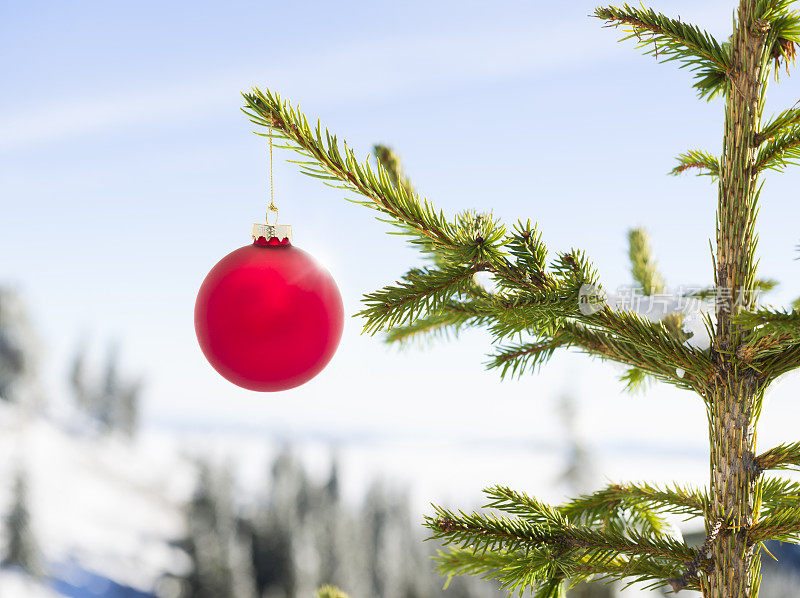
16,583
105,509
98,504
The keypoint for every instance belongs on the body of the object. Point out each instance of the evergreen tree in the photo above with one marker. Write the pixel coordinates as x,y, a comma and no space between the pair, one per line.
386,529
272,559
221,567
617,532
276,532
303,537
21,549
113,402
78,383
331,532
18,351
578,478
580,470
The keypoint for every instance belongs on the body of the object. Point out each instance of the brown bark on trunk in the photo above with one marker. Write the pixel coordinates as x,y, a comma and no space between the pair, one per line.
732,485
735,393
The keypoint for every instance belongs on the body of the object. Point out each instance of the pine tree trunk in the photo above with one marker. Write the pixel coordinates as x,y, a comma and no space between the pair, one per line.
732,483
735,394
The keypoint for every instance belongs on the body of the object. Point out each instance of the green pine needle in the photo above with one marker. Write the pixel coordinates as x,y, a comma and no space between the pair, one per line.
643,266
330,592
784,456
780,151
635,380
537,546
391,162
419,292
671,39
706,163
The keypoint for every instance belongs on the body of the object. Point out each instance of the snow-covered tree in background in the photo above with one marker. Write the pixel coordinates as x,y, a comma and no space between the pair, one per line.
304,537
279,530
579,477
111,400
220,554
331,532
393,558
19,352
21,550
581,470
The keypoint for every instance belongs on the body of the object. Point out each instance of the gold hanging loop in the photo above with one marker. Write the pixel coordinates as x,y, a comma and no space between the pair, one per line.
272,207
271,230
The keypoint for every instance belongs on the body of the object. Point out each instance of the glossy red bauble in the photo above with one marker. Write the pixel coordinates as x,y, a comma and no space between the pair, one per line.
268,317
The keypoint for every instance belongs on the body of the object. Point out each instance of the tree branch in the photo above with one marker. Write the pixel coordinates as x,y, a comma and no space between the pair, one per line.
652,347
450,318
784,456
421,290
780,124
643,265
676,500
707,163
781,524
674,40
515,360
470,238
780,151
549,530
391,162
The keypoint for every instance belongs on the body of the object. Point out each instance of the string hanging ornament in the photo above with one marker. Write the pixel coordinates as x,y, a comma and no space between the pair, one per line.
268,317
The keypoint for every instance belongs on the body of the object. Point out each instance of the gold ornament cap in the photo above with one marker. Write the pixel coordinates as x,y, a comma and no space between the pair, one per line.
269,231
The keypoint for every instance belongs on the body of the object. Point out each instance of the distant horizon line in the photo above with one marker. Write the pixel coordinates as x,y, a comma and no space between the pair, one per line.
276,435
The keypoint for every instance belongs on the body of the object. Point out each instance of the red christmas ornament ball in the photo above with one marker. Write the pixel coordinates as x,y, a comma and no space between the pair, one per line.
268,317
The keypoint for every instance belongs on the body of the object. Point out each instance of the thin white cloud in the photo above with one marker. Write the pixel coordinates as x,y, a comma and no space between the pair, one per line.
366,71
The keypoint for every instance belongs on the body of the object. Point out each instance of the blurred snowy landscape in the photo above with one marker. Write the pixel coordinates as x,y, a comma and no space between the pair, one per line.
97,505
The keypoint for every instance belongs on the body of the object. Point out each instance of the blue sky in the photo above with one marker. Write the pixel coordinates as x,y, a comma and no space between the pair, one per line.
127,171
